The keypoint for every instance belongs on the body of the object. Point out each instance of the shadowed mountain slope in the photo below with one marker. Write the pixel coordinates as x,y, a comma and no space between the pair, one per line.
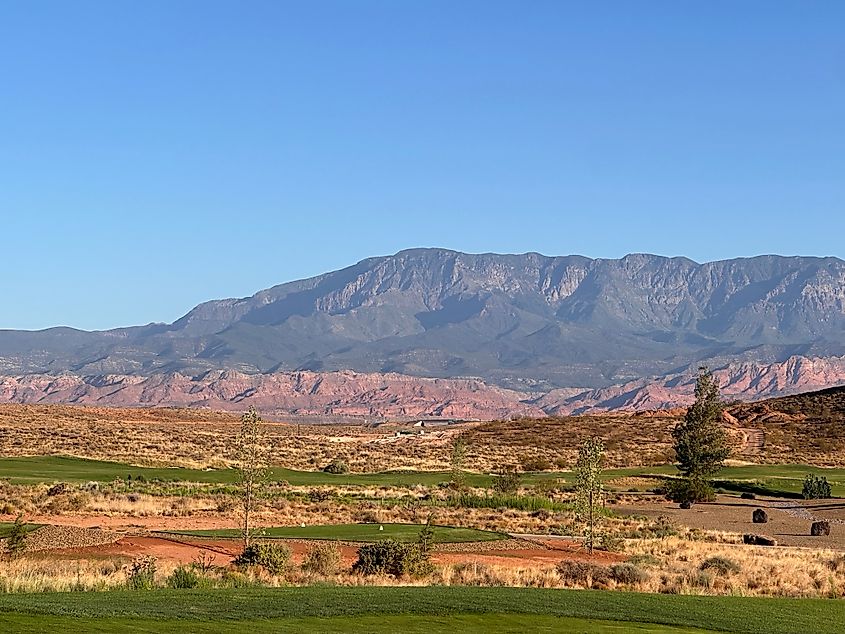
527,322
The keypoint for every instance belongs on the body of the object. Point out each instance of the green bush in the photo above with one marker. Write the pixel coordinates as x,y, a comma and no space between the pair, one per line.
628,574
610,543
274,558
583,573
720,565
183,578
816,488
337,467
687,490
393,558
322,559
507,482
15,543
535,463
141,573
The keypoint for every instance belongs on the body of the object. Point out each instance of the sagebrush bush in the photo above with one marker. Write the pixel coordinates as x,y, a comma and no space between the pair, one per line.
336,467
393,558
535,463
183,578
583,573
140,575
274,558
628,574
720,565
323,559
507,481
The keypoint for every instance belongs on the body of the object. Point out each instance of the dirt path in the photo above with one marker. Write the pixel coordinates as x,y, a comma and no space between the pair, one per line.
753,441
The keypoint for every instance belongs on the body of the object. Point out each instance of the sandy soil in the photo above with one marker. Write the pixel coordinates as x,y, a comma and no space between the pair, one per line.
789,520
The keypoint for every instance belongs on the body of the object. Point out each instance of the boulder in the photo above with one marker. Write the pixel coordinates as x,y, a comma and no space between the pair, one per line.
759,516
820,528
748,496
758,540
686,505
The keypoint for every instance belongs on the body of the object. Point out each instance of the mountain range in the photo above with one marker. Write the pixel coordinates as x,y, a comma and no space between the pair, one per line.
555,334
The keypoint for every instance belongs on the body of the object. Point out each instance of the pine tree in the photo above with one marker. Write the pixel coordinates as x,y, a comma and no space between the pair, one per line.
701,444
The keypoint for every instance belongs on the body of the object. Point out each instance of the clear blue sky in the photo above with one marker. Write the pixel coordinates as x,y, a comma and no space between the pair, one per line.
157,154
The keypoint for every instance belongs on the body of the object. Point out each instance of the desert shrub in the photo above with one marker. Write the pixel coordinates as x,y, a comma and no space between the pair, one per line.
78,501
319,495
140,575
322,559
583,572
15,543
476,574
628,574
644,560
235,579
337,467
274,558
183,578
816,488
507,481
367,517
720,565
610,543
699,579
393,558
59,488
535,463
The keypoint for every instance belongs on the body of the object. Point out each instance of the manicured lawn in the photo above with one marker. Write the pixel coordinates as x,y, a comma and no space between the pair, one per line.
217,610
771,479
358,533
469,623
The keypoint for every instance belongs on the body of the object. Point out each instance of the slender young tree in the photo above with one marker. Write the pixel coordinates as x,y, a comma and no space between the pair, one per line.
589,488
457,460
701,444
253,458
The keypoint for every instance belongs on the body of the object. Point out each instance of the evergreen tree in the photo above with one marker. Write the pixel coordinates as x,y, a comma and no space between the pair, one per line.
701,444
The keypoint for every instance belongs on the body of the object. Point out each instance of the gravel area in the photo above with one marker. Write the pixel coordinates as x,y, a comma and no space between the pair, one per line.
55,537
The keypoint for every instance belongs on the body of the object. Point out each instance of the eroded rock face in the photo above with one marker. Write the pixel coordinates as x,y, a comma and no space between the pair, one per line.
302,393
348,393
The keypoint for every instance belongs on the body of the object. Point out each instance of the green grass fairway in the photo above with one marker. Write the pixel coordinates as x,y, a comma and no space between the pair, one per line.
357,533
469,623
388,609
763,479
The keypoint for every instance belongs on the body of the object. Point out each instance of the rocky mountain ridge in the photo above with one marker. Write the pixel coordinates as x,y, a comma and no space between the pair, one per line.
396,396
527,322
